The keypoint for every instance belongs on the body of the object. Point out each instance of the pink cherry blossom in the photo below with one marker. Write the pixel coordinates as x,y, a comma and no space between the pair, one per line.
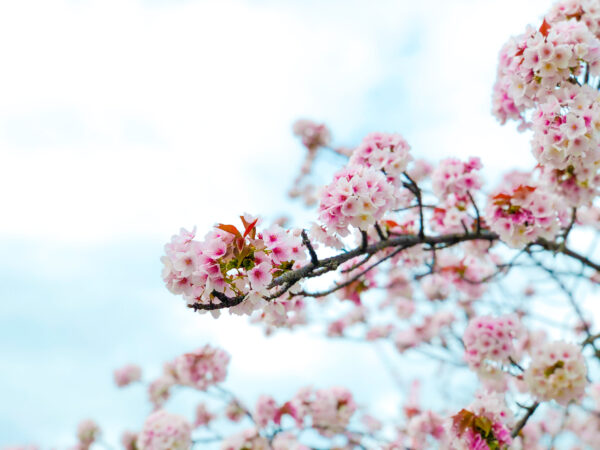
201,368
127,374
557,372
163,430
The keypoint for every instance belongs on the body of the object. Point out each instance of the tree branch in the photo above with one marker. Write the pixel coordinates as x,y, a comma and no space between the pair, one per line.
402,242
521,423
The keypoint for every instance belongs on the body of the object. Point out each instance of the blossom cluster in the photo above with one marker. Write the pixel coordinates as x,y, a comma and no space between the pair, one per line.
521,211
455,178
330,409
586,11
465,272
534,64
231,263
566,140
164,430
368,187
557,372
200,369
490,338
358,196
545,81
455,184
483,425
382,151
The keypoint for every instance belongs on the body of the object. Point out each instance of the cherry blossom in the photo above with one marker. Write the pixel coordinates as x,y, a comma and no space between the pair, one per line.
201,368
127,374
557,372
164,430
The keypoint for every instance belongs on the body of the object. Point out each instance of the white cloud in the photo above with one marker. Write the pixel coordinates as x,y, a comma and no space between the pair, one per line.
208,87
122,117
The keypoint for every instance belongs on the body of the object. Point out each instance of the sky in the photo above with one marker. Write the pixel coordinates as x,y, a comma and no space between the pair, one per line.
123,120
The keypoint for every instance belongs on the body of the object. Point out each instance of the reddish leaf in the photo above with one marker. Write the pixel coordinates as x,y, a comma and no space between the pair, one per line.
501,199
411,411
390,223
501,196
522,191
239,242
250,227
230,229
545,28
463,420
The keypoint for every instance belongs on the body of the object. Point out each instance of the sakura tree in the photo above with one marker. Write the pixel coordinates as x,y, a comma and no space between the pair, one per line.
489,280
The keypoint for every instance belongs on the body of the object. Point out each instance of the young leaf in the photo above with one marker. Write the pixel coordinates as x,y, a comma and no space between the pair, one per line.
250,227
229,229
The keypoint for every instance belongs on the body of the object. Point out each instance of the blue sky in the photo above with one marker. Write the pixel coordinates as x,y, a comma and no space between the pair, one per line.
122,121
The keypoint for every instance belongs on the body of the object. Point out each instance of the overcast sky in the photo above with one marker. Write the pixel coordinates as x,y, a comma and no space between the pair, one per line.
123,120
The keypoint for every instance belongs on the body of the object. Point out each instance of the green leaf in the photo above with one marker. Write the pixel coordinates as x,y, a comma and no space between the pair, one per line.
551,369
484,425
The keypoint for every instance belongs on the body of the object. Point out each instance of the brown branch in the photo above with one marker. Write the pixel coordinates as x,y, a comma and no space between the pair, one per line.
570,226
413,187
559,248
365,240
311,251
337,287
226,302
403,242
382,236
569,296
477,215
521,423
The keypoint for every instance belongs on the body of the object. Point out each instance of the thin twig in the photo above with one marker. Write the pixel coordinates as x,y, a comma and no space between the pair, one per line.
521,423
311,251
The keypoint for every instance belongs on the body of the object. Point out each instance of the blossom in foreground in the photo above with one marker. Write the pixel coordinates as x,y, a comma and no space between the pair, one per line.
557,372
163,430
483,425
231,262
